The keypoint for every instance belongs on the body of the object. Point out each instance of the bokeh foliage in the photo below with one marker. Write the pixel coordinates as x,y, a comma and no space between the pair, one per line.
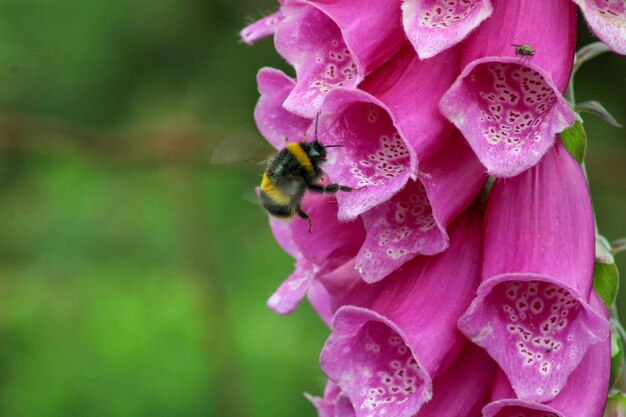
133,274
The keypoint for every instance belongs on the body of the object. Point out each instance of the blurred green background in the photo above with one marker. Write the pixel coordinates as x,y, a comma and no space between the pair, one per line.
133,274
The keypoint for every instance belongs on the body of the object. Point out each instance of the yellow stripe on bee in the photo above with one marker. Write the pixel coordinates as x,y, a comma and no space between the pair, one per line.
303,159
272,192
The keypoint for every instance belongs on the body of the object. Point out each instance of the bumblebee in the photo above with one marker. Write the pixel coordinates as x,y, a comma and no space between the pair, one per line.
289,174
524,50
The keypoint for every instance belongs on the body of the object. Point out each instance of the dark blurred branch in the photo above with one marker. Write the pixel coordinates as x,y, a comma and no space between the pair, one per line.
155,145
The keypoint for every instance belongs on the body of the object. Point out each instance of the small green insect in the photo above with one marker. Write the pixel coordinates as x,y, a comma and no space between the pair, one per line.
524,50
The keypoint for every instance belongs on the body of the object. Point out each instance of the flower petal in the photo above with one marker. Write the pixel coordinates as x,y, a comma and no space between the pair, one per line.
508,112
293,290
435,25
607,19
335,403
372,153
330,243
415,220
532,313
274,122
384,356
379,21
510,108
311,42
325,406
584,394
462,390
261,28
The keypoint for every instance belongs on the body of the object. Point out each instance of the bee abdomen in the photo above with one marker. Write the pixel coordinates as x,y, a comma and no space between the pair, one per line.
274,200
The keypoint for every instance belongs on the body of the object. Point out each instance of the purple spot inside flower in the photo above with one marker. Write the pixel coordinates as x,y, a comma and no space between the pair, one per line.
510,113
537,331
445,13
373,156
513,102
536,328
610,9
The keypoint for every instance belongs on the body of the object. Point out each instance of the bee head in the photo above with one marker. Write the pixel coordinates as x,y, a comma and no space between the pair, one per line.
317,152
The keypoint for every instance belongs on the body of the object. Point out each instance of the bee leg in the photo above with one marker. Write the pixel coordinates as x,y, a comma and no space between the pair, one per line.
331,188
306,217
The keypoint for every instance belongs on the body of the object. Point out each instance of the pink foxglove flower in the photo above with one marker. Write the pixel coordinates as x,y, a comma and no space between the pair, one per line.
435,25
384,357
607,19
532,312
508,107
584,394
323,40
382,135
414,221
276,124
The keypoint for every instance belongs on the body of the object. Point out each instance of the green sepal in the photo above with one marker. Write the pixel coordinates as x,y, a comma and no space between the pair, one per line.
615,405
606,282
617,351
575,140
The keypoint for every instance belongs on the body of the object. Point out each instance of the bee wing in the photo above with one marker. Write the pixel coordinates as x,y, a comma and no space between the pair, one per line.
252,196
240,147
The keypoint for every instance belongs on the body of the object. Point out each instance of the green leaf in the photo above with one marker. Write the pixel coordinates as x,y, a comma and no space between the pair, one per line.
606,282
595,107
575,140
617,351
587,53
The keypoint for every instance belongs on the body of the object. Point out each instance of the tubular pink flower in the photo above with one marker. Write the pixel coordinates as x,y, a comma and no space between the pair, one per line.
414,221
274,122
435,25
584,394
532,313
323,40
382,135
384,357
262,28
464,388
607,19
508,107
329,246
